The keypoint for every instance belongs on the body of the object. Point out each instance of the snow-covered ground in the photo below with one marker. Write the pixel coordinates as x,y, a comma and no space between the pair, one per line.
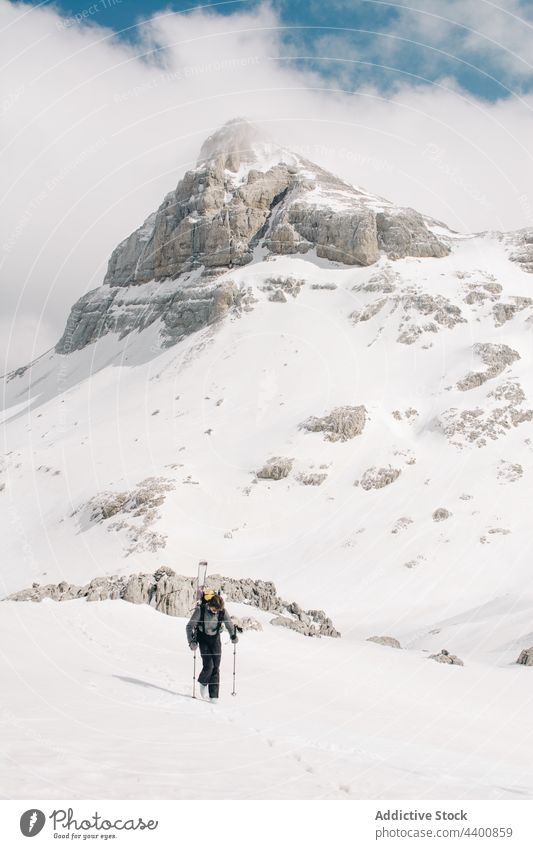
99,706
96,700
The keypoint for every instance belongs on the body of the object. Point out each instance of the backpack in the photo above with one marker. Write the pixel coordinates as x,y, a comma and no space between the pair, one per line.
207,595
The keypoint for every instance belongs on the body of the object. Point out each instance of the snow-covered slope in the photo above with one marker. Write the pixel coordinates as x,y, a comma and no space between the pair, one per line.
398,399
104,710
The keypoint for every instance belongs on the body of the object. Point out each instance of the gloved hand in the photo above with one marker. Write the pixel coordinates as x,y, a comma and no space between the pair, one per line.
234,638
193,646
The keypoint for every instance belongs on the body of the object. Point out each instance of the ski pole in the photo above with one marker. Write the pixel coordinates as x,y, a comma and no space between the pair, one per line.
234,659
194,675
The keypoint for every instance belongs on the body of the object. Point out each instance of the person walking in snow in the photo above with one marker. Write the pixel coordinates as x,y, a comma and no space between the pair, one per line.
203,632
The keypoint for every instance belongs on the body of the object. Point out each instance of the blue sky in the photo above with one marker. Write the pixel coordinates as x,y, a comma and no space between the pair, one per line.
479,45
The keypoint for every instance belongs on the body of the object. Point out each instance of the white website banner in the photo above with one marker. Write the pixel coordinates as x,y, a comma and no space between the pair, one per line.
261,824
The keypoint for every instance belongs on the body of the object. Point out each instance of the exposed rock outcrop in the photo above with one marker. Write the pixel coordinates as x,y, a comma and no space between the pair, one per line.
441,309
308,629
247,623
312,478
369,311
444,656
479,291
311,623
341,424
353,232
375,478
525,658
401,524
492,421
392,642
496,357
181,308
385,280
276,469
479,425
348,235
133,512
418,312
508,472
141,501
212,219
175,595
404,232
503,407
522,248
484,540
505,312
282,286
441,514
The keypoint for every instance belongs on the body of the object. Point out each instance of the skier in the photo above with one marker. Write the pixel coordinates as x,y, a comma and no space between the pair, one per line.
203,632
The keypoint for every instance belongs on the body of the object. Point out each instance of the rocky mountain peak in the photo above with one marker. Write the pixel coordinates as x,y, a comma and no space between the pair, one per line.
246,200
232,145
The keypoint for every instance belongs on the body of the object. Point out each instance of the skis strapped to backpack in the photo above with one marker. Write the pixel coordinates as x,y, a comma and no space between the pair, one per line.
204,595
200,580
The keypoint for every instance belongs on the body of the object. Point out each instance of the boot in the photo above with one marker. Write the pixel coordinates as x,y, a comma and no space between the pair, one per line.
204,691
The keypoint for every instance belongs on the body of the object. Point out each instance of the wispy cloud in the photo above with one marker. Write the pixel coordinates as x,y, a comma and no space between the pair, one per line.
480,29
457,37
486,48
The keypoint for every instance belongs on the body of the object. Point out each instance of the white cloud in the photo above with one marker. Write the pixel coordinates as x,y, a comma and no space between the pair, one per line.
480,31
93,136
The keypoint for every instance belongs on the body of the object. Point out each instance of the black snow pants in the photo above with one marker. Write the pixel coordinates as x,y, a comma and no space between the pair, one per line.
211,651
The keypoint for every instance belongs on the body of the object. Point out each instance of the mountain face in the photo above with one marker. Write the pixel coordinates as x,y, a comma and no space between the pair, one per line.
294,340
245,198
247,193
326,397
